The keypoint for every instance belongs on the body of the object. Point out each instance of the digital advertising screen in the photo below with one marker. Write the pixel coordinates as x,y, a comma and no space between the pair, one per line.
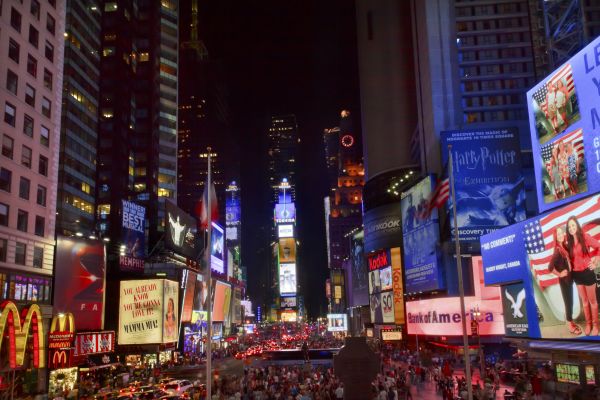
133,233
421,236
374,282
217,249
170,311
590,374
221,300
287,250
567,373
337,322
563,115
385,278
515,310
285,212
488,179
285,230
360,278
287,279
288,302
181,232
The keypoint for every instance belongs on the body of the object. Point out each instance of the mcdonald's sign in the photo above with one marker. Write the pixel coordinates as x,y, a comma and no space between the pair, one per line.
60,340
17,328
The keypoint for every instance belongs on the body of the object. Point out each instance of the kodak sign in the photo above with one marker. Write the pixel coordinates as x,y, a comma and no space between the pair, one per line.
16,330
379,260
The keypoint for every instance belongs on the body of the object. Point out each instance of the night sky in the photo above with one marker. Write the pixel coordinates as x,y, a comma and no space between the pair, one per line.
285,57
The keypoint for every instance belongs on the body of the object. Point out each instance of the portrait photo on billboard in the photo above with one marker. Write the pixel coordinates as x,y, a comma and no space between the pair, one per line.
563,167
488,179
287,279
287,250
374,282
563,250
385,278
82,276
555,105
360,278
217,249
170,318
181,231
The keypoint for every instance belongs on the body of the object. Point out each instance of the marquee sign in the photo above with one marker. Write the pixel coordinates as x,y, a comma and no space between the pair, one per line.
17,332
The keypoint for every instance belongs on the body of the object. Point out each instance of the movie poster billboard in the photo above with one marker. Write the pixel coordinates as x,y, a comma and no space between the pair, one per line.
488,180
133,234
181,232
217,249
515,310
421,236
563,116
358,272
81,271
287,279
287,250
148,311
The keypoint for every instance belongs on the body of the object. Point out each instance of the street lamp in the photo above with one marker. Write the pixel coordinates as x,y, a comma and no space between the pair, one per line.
475,314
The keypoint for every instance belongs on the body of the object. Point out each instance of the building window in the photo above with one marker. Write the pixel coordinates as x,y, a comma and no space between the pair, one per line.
31,65
24,185
49,51
27,125
3,248
22,217
34,36
4,214
41,195
30,95
15,19
40,224
20,252
47,79
46,107
12,81
35,9
14,50
38,257
10,113
50,24
26,157
44,136
43,166
7,146
5,179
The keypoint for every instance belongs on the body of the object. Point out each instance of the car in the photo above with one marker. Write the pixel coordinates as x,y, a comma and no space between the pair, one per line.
152,394
178,387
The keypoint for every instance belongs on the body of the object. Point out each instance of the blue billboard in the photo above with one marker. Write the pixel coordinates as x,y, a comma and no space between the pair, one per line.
503,255
131,257
420,231
285,212
488,180
564,115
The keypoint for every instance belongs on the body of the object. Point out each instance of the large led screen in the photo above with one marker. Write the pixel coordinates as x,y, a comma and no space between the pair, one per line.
181,232
133,233
337,322
488,179
564,115
421,235
285,212
217,249
221,301
287,250
287,279
360,278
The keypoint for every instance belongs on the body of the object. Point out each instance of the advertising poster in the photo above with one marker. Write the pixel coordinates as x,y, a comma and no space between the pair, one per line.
515,310
133,233
94,343
221,301
181,232
442,316
564,115
287,279
236,308
568,373
397,286
387,307
421,236
188,296
374,282
200,294
383,228
489,184
285,230
385,278
287,250
148,311
337,322
288,302
360,279
217,249
505,260
285,212
81,271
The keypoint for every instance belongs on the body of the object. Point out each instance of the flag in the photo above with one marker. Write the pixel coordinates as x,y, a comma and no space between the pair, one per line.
566,75
202,205
575,137
440,195
539,235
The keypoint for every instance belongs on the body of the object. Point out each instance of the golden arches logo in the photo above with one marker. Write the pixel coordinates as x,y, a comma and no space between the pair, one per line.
63,323
19,327
59,358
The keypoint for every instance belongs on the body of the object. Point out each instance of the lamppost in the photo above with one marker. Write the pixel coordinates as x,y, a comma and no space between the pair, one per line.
475,314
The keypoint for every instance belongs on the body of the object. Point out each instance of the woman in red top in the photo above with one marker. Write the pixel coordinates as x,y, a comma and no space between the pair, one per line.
583,265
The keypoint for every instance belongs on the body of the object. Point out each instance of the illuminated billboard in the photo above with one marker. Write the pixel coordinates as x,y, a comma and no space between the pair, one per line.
563,120
337,322
287,279
285,230
221,300
217,249
287,250
288,302
133,236
285,212
180,232
148,311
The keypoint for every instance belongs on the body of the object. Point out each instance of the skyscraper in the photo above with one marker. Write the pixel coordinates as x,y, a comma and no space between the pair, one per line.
282,153
79,127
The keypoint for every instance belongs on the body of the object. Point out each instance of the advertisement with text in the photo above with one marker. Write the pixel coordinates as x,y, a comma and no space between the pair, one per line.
133,233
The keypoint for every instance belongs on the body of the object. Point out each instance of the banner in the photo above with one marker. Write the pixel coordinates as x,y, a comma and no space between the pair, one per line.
133,234
148,311
287,279
421,235
397,285
94,343
81,272
181,232
564,118
383,228
489,184
515,310
217,249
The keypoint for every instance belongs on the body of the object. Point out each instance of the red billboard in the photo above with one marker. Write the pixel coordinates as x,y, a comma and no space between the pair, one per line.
94,343
79,275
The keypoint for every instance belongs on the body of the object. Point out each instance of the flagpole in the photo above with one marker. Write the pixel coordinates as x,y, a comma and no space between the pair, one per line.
209,281
461,288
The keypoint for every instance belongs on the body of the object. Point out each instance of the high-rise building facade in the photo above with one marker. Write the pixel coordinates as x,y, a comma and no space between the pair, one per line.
79,125
31,71
282,153
137,146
